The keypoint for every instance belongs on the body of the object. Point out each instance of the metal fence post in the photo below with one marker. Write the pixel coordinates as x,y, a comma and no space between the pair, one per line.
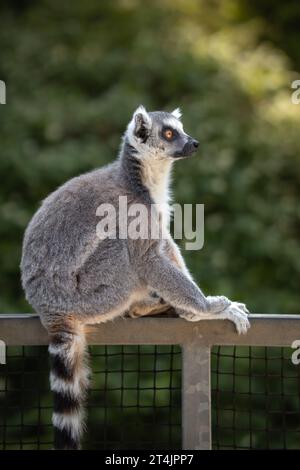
196,400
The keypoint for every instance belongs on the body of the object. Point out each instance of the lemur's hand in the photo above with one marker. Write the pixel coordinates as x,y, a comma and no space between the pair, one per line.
219,307
238,314
233,311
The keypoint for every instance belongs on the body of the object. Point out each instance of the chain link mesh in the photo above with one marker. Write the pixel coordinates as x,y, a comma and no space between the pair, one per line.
255,398
135,398
133,402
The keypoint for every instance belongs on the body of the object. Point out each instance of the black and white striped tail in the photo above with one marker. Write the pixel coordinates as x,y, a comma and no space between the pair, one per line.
69,382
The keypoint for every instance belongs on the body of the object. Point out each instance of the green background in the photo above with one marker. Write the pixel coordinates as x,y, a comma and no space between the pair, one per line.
76,71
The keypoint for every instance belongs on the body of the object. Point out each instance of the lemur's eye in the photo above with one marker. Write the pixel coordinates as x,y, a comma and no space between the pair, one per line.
168,134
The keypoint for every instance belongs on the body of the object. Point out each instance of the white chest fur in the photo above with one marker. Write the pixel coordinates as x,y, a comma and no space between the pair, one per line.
156,177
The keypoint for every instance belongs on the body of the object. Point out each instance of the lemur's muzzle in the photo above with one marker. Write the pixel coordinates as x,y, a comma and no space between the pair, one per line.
189,148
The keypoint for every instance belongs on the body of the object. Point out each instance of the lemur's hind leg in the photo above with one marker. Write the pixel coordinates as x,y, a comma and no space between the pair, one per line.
151,305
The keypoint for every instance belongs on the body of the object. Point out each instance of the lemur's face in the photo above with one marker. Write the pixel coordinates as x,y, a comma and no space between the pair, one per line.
160,135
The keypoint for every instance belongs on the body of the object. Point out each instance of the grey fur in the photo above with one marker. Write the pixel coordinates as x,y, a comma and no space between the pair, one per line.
71,277
68,270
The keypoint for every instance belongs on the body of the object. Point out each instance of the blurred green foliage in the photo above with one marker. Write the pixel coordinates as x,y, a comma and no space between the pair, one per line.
75,75
76,72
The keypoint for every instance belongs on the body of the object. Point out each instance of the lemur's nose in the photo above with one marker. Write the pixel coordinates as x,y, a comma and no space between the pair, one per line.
195,143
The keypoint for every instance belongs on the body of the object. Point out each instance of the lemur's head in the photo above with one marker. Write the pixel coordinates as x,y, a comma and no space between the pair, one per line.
160,135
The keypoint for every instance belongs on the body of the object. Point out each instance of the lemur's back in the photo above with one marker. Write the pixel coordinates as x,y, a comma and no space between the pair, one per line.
61,244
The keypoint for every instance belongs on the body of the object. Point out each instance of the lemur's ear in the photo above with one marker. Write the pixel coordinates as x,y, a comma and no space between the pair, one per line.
142,123
177,113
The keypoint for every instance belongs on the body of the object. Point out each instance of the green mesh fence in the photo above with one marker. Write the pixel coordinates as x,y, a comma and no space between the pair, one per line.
135,398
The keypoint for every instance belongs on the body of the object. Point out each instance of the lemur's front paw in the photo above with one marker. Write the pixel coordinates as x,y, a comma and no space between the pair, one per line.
238,314
233,311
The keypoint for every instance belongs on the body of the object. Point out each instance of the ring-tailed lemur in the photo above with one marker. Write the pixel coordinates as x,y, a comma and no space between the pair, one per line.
72,277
